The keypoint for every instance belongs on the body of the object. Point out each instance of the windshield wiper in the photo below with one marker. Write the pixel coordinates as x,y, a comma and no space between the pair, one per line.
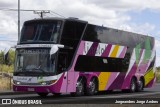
38,69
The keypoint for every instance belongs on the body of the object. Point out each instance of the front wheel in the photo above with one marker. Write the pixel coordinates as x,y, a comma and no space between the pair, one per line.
42,94
92,88
79,88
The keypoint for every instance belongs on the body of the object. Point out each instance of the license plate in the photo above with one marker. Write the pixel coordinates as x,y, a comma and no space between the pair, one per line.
30,89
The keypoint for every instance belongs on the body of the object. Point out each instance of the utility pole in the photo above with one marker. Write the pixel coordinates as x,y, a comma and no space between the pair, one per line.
41,13
18,20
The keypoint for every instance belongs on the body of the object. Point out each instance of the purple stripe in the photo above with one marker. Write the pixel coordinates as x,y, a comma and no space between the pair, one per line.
93,49
59,83
123,52
111,79
128,77
118,82
81,47
107,50
143,67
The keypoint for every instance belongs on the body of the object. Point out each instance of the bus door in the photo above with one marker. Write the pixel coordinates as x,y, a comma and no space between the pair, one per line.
62,67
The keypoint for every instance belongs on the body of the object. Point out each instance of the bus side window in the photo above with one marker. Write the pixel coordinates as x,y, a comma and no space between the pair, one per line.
62,62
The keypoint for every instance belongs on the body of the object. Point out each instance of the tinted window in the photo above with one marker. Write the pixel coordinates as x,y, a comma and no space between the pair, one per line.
101,64
115,36
73,30
71,36
91,34
40,31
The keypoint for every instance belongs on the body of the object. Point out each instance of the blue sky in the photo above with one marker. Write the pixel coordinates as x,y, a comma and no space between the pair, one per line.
139,16
146,16
151,17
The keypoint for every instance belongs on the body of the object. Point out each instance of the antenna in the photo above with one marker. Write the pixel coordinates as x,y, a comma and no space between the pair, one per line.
41,13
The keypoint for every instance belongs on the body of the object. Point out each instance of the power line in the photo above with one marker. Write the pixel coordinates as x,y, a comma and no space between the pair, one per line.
8,9
32,10
58,14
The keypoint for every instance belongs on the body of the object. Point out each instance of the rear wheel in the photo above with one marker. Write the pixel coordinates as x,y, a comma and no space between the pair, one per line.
133,85
79,88
42,94
140,85
92,88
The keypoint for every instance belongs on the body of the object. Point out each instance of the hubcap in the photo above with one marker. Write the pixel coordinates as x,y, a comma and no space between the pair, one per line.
133,86
92,86
140,85
79,87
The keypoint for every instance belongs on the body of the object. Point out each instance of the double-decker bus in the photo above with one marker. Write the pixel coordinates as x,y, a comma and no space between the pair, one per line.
56,55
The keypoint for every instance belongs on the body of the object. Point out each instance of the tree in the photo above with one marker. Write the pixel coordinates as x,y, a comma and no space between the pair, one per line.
7,61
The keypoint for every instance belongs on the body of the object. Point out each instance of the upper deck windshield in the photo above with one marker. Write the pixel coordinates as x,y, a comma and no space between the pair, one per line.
40,31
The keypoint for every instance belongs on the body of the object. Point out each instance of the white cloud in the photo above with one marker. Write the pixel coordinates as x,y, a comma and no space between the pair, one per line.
126,5
6,45
157,43
8,26
157,60
145,28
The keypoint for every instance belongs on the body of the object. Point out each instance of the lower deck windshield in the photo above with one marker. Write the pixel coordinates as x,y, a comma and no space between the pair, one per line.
34,60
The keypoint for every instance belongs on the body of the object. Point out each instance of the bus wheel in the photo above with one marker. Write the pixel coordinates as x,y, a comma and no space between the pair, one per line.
42,94
79,88
92,88
140,85
133,85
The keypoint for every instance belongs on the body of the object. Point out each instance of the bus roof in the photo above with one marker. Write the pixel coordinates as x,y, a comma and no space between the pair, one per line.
78,20
57,18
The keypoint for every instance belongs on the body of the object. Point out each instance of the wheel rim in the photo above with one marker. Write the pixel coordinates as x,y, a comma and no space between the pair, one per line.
133,86
79,87
92,86
140,85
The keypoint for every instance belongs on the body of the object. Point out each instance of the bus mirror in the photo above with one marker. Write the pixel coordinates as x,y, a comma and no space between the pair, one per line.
55,48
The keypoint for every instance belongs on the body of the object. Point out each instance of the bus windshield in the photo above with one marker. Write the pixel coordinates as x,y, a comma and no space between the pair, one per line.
34,60
40,32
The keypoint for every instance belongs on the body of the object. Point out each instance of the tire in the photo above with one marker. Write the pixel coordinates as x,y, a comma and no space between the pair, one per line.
79,88
133,86
140,85
92,88
42,94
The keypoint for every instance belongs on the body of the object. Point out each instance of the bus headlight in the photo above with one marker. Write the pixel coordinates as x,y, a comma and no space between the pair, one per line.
48,82
16,82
